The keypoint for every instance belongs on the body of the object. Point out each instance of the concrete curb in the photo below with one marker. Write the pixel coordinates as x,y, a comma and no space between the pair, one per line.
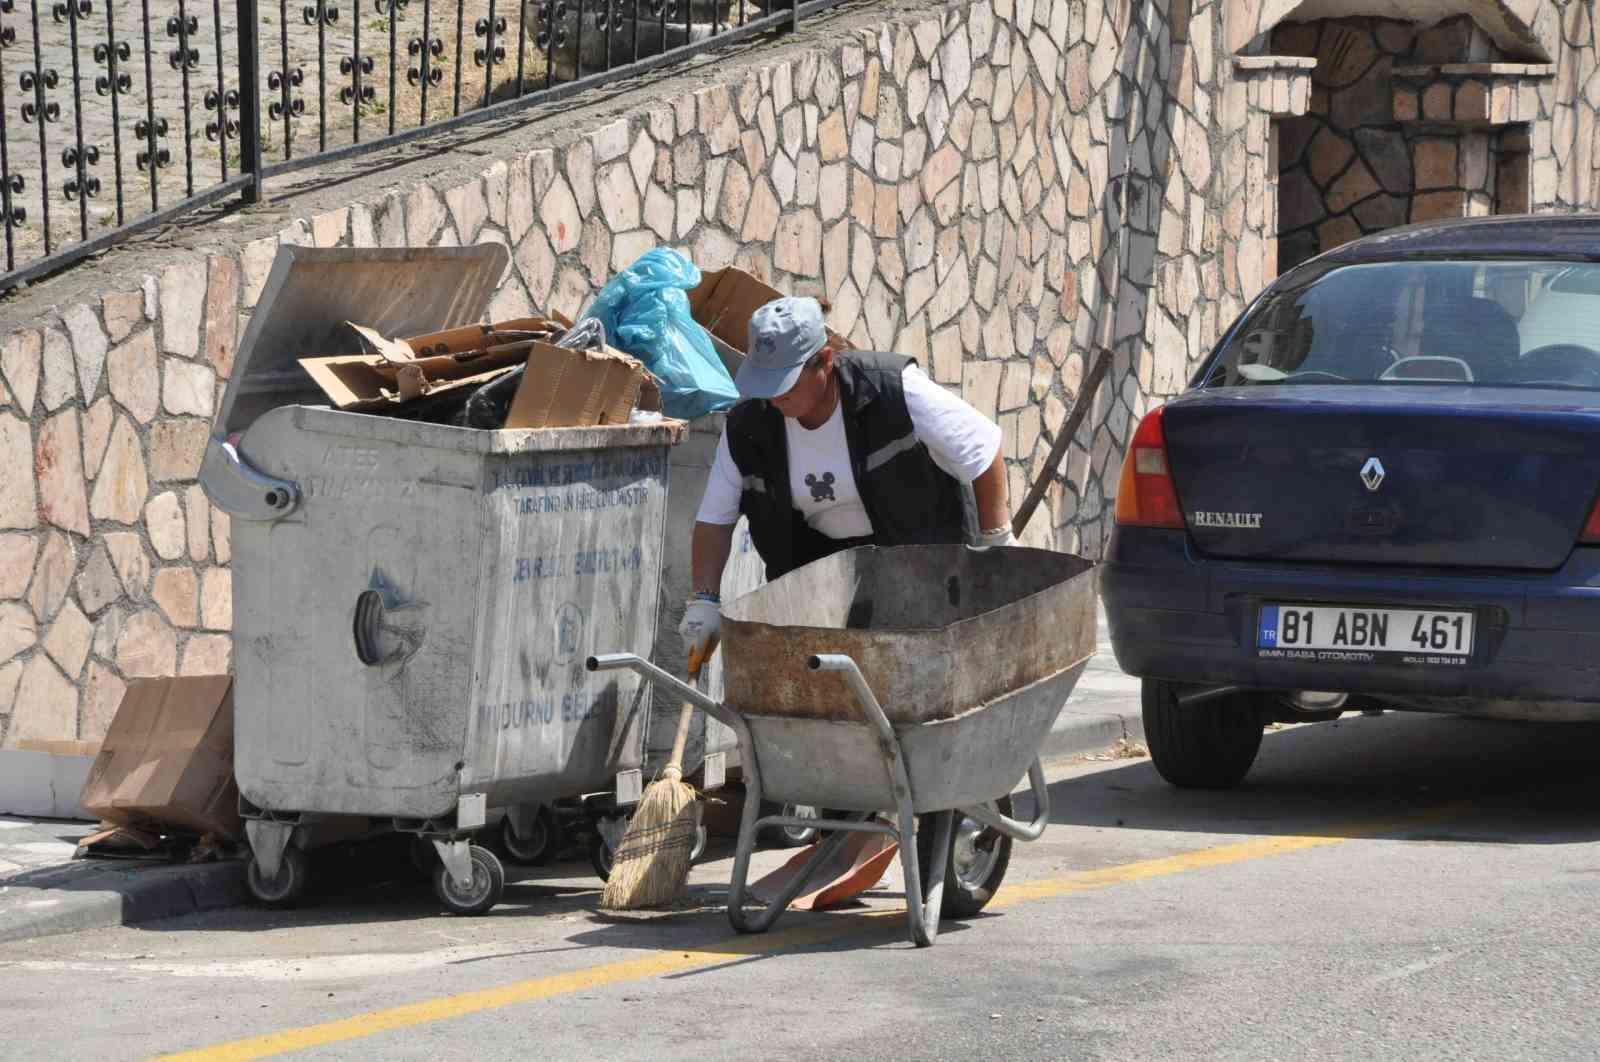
89,895
1075,735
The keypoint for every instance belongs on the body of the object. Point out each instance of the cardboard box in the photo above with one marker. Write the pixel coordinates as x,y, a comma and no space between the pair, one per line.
402,370
167,761
564,388
724,302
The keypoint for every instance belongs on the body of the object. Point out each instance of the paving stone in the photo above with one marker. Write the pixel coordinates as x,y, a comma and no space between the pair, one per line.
197,513
734,202
60,371
101,699
127,551
98,584
688,210
659,211
19,360
559,213
618,197
88,345
58,469
18,630
17,553
188,388
52,576
221,536
955,60
628,246
762,221
176,593
45,707
134,376
96,432
833,142
177,447
216,600
183,294
119,490
783,179
122,311
68,638
207,654
833,191
147,646
469,209
798,245
594,249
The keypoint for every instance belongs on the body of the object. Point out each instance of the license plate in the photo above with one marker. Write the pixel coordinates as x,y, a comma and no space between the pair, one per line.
1352,634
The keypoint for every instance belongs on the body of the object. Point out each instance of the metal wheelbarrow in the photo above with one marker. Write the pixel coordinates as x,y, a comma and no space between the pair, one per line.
917,681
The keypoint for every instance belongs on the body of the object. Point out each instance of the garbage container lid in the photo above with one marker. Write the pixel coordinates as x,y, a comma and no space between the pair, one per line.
311,293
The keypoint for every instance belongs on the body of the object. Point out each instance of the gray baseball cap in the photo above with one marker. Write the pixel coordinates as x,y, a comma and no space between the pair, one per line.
784,334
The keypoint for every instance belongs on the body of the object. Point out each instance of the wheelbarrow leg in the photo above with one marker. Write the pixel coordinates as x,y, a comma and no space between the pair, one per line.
923,917
922,913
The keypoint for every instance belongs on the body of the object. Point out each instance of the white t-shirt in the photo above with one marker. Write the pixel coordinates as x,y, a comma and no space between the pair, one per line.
961,441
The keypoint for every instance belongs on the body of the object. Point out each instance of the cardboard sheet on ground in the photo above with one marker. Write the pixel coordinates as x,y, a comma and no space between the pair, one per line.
855,867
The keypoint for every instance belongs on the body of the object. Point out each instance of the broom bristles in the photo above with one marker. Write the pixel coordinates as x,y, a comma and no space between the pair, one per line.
651,866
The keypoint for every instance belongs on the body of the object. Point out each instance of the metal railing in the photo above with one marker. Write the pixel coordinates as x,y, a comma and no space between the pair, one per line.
117,116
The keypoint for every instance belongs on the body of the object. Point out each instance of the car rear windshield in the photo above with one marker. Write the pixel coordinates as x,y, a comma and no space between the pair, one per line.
1496,323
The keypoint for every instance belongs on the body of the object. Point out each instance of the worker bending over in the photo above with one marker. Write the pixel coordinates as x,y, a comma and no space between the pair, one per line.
830,450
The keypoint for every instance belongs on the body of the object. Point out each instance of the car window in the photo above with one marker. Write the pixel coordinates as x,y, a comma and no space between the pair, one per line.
1497,323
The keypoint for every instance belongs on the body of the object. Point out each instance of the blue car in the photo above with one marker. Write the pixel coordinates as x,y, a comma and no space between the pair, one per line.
1378,492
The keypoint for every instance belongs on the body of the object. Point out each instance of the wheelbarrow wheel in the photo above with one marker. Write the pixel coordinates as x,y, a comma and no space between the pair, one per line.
791,836
976,865
488,883
536,849
285,888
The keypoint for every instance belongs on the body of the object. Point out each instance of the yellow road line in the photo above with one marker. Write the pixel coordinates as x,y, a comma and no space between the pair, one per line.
446,1007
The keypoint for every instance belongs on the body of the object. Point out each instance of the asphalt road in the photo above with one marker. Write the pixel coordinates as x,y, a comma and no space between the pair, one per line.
1392,887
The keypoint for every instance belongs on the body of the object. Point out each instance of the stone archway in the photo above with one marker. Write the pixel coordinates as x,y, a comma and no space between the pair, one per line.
1409,121
1508,24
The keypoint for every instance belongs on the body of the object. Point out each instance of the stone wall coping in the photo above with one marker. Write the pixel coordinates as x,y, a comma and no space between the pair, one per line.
1493,70
1255,64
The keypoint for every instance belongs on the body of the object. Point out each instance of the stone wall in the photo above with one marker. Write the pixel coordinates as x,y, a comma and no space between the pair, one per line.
950,180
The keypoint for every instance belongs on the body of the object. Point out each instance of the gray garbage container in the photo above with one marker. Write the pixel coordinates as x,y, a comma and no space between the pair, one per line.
413,602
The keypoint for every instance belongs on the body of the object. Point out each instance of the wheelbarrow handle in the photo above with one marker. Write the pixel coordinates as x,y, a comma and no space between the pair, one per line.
632,662
858,685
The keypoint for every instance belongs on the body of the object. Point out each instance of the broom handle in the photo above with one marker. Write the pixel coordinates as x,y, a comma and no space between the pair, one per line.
674,768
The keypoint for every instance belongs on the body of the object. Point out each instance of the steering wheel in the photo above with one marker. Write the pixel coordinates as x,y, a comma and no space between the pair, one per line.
1295,376
1561,365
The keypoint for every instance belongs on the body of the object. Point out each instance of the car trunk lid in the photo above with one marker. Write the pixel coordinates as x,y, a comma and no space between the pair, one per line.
1385,474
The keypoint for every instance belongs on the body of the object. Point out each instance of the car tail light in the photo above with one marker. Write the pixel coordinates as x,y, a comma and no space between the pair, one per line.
1591,527
1147,496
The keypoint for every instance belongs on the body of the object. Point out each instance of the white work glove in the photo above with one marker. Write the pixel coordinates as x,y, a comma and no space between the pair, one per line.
701,627
1000,536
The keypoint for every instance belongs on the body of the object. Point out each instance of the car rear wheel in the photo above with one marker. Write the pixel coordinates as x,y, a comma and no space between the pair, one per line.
1210,745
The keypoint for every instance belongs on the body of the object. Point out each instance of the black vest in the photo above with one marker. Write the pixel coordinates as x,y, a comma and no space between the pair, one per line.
909,499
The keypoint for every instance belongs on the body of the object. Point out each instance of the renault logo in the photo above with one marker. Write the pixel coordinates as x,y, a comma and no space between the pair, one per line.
1372,473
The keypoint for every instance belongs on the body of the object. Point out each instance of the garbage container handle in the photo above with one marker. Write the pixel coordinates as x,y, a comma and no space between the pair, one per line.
241,490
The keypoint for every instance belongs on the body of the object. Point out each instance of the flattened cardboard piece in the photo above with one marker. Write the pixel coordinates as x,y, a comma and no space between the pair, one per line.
167,760
564,388
725,300
405,370
856,867
351,382
395,351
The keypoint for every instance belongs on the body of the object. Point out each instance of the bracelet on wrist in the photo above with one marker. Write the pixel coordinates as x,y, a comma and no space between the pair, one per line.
706,595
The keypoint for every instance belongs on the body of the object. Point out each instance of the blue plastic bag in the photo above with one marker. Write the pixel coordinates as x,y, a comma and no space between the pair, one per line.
645,312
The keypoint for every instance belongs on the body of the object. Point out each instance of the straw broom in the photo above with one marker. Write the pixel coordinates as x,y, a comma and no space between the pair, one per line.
651,866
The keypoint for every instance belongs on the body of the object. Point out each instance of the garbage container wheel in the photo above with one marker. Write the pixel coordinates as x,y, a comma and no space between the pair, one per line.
976,865
601,857
541,844
488,882
285,888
